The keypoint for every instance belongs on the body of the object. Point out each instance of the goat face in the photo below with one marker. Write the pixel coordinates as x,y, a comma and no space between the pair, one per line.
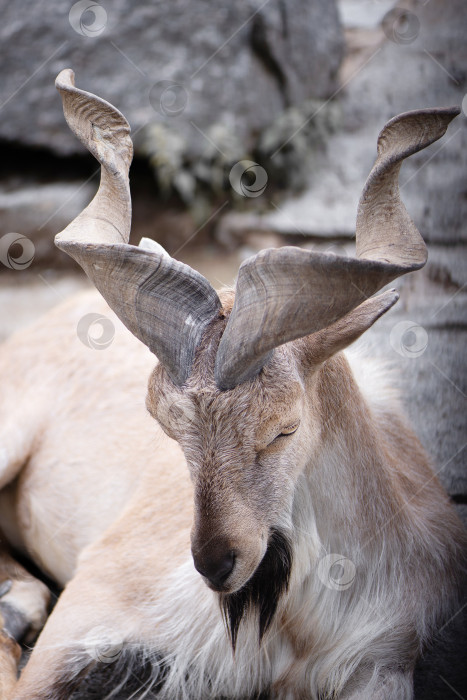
245,449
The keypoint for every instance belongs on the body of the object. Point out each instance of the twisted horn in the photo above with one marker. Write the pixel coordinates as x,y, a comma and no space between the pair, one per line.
288,293
163,302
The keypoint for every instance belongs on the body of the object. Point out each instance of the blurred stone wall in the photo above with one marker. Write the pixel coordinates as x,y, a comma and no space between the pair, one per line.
193,63
198,80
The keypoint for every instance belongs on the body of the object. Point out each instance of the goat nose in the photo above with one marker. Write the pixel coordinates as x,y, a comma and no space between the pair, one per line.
217,568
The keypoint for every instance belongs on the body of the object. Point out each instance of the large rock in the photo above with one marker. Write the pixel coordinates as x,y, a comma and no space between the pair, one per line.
38,211
186,64
416,57
35,210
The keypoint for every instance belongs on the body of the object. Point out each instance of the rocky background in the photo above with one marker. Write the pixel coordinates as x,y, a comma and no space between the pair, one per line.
299,89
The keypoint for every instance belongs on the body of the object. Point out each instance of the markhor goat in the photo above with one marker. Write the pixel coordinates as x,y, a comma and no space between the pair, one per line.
308,551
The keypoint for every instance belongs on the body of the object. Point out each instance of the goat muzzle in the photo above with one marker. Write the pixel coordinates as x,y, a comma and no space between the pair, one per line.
215,562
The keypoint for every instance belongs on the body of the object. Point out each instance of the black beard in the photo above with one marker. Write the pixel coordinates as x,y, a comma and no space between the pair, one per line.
262,592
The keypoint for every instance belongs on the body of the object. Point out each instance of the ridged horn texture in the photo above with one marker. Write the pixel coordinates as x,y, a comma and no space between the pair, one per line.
287,293
164,303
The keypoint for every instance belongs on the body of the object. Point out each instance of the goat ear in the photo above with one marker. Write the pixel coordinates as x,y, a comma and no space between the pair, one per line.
320,346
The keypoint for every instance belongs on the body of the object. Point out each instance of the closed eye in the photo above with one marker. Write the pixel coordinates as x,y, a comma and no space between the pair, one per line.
285,432
289,429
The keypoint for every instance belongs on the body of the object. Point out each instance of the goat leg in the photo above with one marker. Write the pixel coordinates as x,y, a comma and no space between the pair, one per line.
84,629
10,654
23,610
